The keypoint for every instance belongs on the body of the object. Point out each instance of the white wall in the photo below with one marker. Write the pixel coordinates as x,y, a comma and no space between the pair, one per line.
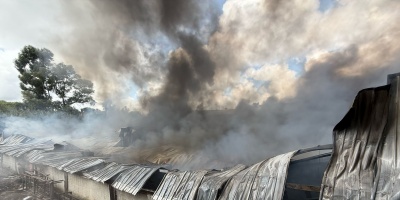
82,188
126,196
87,189
9,162
54,174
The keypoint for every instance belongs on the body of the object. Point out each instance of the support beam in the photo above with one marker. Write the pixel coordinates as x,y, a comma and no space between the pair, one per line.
308,188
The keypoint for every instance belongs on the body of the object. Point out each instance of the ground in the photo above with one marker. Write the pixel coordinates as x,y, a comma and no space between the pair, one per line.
11,187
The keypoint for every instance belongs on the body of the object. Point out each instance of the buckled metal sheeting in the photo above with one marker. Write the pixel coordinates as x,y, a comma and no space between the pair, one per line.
388,180
264,180
210,185
351,171
133,179
179,185
365,163
106,173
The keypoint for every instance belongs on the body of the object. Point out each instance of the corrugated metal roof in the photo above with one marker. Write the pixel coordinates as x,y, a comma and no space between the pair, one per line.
264,180
70,161
80,164
16,139
213,182
133,179
30,156
20,149
179,185
107,172
55,158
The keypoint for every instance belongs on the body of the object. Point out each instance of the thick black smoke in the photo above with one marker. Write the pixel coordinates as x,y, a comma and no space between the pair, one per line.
214,82
188,69
185,70
131,38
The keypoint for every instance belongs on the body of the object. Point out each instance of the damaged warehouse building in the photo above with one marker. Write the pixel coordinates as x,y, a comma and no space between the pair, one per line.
362,163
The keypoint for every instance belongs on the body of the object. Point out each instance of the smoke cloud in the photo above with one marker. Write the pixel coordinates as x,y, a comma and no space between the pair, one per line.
232,83
93,131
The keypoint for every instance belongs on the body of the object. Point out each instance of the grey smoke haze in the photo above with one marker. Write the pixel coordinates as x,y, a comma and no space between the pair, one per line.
186,57
93,131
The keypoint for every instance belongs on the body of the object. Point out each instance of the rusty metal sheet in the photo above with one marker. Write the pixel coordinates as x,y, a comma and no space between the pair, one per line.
107,172
132,180
181,185
364,163
214,182
264,180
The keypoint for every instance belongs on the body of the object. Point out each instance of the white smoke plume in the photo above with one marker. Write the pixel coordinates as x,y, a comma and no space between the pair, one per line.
92,131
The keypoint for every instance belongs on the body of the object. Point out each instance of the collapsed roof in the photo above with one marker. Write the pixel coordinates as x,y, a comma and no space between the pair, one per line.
365,159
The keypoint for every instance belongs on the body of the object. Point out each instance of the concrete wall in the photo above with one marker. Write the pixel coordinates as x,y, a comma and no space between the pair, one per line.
84,188
9,162
15,164
126,196
54,174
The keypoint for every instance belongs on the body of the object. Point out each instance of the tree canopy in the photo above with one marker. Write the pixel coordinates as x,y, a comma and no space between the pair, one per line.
45,84
33,66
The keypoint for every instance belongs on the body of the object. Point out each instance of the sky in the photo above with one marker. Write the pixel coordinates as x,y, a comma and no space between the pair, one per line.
288,69
50,24
23,23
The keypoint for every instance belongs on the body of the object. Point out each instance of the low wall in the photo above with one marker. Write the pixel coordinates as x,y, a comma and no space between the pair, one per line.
126,196
84,188
54,174
9,162
79,186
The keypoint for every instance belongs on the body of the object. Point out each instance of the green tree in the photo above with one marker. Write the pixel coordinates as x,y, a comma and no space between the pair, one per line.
42,80
69,86
33,66
11,108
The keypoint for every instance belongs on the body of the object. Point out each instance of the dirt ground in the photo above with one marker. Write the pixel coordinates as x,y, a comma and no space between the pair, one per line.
11,187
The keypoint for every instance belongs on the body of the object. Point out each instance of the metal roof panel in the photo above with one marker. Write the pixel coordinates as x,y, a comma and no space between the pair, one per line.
179,185
131,180
213,182
263,180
